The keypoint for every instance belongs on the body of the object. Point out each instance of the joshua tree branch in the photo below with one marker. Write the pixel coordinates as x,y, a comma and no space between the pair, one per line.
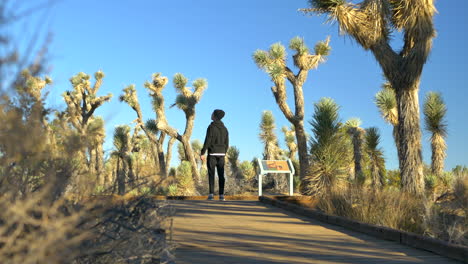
279,91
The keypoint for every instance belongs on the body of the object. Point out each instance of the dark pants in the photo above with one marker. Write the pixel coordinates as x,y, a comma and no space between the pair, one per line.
216,162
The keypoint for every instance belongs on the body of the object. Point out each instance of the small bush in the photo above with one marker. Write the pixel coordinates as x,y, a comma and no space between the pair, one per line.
247,170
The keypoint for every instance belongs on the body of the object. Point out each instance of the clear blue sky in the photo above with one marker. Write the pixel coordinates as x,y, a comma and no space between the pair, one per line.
130,40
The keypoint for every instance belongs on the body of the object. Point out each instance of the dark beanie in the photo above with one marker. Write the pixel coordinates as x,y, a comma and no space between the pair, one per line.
218,114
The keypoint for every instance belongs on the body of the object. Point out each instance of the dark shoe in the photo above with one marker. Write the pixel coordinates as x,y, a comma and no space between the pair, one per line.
210,197
221,197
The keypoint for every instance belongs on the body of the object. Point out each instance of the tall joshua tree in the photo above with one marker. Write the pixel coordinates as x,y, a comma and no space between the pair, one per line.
434,112
290,139
186,101
385,100
376,159
274,63
130,97
82,102
267,135
357,134
371,23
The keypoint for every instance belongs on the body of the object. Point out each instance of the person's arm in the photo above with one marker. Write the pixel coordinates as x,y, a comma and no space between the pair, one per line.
207,141
227,140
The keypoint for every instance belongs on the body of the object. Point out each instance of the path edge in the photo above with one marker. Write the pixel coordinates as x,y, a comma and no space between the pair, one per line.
439,247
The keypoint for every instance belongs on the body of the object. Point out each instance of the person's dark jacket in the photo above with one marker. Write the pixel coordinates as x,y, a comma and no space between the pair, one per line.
217,138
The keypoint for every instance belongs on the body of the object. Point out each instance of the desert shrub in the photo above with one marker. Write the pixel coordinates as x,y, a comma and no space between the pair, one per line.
172,190
185,184
33,230
393,178
247,170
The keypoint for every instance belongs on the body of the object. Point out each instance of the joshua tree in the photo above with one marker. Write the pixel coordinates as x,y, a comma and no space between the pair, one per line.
181,152
271,150
233,158
186,101
130,97
274,63
197,145
376,159
434,113
330,152
82,102
122,146
385,100
357,134
371,23
290,139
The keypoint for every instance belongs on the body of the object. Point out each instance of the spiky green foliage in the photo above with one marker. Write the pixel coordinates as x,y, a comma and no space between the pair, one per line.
187,99
267,135
121,137
325,122
151,126
376,158
261,58
353,122
290,139
385,100
185,183
330,149
322,48
247,170
434,113
323,6
277,52
129,96
197,145
180,81
181,152
297,44
233,158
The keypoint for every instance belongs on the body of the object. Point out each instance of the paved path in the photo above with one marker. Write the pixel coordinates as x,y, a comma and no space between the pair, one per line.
251,232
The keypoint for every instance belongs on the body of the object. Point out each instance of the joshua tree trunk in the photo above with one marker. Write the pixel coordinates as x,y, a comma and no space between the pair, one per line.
438,147
191,157
161,159
118,178
99,163
169,154
131,174
301,146
411,169
358,137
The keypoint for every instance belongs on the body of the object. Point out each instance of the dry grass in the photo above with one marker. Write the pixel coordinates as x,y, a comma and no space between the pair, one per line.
445,219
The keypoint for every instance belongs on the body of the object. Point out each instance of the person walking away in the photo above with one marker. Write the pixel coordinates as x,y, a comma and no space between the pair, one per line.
217,144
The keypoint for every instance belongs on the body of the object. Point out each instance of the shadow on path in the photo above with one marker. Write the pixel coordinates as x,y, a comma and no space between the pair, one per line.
250,232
